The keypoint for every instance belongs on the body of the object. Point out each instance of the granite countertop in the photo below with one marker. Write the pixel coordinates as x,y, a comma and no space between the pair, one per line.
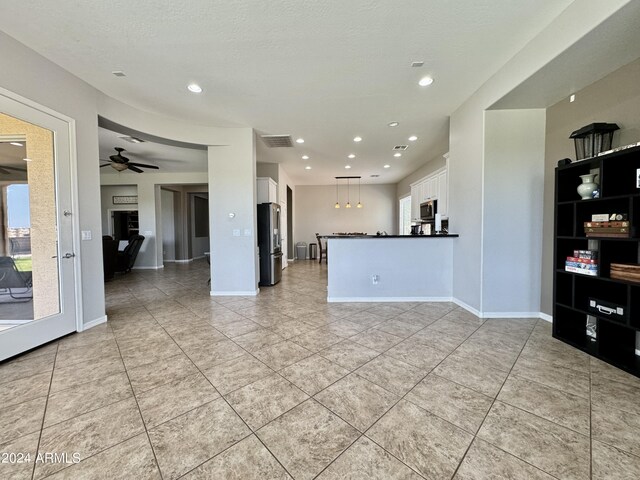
445,235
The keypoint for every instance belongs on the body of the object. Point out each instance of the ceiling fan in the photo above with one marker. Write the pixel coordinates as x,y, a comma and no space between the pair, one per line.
6,170
120,162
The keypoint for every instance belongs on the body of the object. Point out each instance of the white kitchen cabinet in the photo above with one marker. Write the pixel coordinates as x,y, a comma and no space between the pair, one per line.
431,186
267,190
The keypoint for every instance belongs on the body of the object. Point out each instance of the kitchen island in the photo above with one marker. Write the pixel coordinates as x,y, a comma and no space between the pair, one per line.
390,268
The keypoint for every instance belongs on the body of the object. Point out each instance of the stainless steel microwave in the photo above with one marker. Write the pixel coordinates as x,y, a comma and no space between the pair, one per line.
428,210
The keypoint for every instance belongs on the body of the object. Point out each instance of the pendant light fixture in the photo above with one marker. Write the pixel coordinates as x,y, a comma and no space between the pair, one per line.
348,179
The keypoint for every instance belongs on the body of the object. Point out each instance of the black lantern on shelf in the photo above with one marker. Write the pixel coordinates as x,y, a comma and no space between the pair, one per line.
593,139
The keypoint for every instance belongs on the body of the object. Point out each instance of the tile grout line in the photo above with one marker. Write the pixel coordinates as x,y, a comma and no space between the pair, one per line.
228,404
364,434
44,414
139,411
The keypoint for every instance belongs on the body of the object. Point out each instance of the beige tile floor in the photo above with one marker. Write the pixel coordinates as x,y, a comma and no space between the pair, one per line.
284,385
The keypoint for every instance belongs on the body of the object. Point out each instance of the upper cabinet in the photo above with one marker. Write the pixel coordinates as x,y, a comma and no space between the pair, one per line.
434,186
267,190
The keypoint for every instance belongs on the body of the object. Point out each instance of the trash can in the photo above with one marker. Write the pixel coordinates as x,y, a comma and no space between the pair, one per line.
301,251
313,251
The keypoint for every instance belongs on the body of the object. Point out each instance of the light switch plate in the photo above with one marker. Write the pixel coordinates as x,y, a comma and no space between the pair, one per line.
86,234
247,232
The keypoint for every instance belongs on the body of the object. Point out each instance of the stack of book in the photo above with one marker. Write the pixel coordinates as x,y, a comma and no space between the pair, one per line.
584,262
607,229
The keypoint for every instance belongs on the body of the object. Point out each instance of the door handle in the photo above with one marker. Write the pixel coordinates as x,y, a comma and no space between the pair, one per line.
69,255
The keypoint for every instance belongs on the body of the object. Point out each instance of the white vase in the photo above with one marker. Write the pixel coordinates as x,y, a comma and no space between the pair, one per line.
587,187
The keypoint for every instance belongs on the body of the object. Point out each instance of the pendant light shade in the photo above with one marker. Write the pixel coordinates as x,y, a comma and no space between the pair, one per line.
337,205
359,204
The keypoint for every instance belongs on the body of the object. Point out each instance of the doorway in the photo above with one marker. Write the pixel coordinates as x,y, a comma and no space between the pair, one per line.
38,267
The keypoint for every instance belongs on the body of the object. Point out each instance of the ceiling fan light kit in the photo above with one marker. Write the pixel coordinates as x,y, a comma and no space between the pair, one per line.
120,163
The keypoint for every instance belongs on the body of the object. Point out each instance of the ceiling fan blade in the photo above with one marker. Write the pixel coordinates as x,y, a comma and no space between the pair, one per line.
135,169
105,165
4,171
17,169
143,165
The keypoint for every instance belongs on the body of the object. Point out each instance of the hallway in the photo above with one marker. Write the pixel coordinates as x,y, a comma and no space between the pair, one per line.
283,385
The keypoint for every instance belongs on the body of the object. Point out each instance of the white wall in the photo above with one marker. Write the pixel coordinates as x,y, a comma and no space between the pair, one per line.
168,225
232,190
408,269
467,136
512,240
314,210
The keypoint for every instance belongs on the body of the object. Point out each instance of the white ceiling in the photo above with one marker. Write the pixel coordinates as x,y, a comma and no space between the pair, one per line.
325,71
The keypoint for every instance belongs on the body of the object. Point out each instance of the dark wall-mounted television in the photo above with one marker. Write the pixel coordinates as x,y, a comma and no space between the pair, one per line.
428,210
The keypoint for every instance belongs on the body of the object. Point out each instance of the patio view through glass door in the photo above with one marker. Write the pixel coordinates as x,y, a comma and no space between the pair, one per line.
37,299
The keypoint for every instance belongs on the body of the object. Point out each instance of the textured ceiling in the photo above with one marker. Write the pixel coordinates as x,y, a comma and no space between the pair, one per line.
325,70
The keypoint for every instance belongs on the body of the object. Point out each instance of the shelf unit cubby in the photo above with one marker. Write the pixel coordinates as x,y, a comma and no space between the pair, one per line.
616,336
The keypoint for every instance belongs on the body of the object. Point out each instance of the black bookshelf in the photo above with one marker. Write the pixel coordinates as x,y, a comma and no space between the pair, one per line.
615,340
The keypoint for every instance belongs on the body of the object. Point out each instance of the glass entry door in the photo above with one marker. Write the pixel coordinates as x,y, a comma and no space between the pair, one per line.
37,271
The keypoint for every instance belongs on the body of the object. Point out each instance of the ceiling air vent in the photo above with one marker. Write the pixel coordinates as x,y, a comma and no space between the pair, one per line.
400,147
276,141
374,176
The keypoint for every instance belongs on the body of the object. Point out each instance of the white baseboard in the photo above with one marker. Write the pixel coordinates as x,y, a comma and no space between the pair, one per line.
94,323
467,307
387,299
14,322
188,260
148,268
247,293
510,315
545,317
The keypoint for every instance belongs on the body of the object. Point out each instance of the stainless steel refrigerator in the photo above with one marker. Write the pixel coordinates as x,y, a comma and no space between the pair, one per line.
269,243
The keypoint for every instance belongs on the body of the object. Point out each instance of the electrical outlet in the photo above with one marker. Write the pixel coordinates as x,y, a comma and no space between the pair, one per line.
247,232
236,232
375,279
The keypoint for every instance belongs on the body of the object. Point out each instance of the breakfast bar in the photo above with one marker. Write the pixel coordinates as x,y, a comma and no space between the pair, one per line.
390,268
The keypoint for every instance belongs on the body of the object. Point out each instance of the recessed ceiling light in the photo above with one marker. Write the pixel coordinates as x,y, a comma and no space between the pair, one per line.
425,81
347,167
307,167
394,124
413,138
387,166
194,88
357,139
17,144
572,98
398,154
351,155
305,157
26,159
417,64
299,140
